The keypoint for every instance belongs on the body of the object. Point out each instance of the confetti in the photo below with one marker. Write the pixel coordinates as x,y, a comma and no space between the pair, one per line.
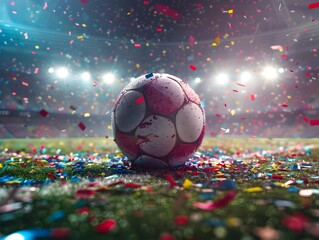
313,5
44,113
106,226
192,67
82,126
314,122
139,101
187,183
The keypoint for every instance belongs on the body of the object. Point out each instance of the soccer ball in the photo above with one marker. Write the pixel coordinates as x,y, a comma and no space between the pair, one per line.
158,121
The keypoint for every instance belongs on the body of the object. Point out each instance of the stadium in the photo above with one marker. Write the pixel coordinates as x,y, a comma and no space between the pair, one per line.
64,65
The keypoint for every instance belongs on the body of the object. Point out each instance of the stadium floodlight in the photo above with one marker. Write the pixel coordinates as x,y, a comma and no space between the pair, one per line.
86,76
222,78
270,73
62,72
197,80
245,77
51,70
109,78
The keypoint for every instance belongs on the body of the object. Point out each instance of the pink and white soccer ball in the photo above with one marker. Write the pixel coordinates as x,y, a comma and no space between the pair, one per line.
158,121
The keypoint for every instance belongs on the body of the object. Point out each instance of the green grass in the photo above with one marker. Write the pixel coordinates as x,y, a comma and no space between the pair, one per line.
149,211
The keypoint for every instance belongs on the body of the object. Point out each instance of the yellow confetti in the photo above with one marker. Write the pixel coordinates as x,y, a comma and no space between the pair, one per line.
83,25
87,115
1,165
80,37
36,47
187,183
230,11
254,189
109,127
232,43
232,112
214,44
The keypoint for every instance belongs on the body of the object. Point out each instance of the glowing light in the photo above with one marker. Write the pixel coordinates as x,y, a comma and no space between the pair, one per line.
62,72
222,78
51,70
270,73
86,76
281,70
109,78
197,80
15,236
245,77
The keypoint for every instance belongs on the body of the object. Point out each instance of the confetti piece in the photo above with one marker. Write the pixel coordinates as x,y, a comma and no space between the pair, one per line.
171,181
137,45
45,5
192,67
36,70
181,220
230,26
87,115
44,113
284,56
232,112
296,222
314,122
82,126
187,183
218,204
313,5
139,101
25,84
240,84
106,226
252,97
284,105
149,75
254,189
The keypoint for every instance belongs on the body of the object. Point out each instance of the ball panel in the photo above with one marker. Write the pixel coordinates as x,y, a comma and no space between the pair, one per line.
189,122
139,82
156,135
164,95
181,153
201,137
150,162
130,111
128,144
190,93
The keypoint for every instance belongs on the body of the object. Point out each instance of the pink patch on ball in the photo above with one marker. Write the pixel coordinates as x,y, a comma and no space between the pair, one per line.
164,96
128,144
191,95
181,153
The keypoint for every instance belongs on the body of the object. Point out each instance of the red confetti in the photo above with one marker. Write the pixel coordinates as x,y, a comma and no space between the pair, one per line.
82,126
235,90
44,113
284,105
307,74
166,236
218,204
240,84
284,56
276,177
314,122
252,97
181,220
106,226
132,185
159,29
192,67
60,233
139,100
84,193
137,45
306,119
296,222
313,5
171,181
36,70
25,84
191,40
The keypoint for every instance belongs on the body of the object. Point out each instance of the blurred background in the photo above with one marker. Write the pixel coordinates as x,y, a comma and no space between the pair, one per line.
253,63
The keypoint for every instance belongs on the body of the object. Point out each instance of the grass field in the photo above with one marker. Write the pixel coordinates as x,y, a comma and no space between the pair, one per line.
232,188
